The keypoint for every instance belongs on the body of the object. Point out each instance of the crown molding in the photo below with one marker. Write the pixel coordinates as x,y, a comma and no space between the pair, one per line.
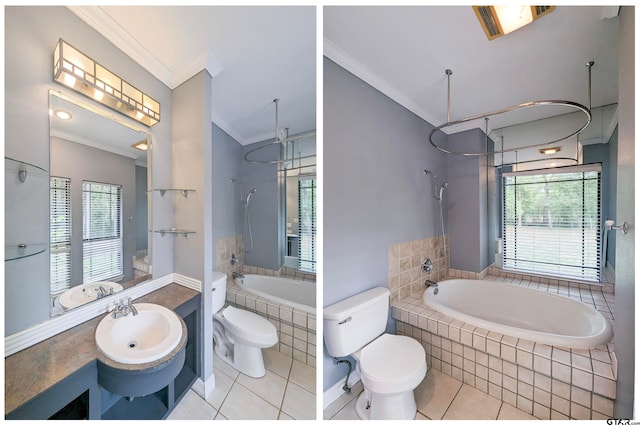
81,140
207,60
100,21
227,128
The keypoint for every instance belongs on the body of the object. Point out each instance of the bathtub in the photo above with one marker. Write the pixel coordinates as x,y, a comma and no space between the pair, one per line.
296,293
520,312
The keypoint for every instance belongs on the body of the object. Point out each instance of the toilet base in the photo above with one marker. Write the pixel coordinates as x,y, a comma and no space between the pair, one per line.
243,358
400,406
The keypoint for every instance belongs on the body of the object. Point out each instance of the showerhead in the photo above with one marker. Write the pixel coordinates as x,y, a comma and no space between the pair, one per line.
252,191
442,188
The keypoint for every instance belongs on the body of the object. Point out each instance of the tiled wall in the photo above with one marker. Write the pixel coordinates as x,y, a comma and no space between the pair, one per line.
296,329
546,382
405,265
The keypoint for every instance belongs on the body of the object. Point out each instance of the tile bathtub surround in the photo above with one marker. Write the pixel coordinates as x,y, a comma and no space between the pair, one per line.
224,248
287,272
607,286
296,328
405,275
540,380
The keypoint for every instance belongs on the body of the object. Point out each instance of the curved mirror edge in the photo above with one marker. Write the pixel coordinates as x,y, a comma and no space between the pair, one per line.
69,140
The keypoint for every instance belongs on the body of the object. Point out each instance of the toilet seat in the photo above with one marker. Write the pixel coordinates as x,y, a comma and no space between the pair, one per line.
250,327
392,363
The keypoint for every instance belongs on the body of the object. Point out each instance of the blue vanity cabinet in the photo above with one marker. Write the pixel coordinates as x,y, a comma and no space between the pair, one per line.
75,397
79,396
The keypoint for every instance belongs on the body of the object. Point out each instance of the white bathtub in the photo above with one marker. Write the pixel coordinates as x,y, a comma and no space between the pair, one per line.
299,294
520,312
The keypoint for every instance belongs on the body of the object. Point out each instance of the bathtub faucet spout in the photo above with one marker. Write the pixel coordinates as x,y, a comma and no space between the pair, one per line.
428,283
237,275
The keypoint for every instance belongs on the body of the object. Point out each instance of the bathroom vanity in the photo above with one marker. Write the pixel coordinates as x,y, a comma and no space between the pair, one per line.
58,378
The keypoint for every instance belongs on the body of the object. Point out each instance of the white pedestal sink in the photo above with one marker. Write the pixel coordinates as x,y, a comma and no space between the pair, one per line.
146,337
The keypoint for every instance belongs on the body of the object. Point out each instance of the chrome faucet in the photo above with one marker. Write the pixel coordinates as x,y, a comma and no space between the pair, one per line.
428,283
237,275
120,309
103,293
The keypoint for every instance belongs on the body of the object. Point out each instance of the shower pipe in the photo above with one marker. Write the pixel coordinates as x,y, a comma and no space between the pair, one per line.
438,197
449,123
247,221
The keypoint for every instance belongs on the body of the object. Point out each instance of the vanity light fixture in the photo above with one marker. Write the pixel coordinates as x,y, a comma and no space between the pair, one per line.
141,145
550,151
500,20
76,70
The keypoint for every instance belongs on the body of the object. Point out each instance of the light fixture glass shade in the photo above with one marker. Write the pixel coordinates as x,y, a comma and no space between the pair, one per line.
513,17
550,151
76,70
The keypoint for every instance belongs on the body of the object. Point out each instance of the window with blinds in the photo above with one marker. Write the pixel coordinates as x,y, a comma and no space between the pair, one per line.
101,231
60,233
307,224
551,222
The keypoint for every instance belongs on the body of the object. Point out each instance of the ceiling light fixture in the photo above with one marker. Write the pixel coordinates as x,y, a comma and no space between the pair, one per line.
63,115
550,151
76,70
141,145
500,20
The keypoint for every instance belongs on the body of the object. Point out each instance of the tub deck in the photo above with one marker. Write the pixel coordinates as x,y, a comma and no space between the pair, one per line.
544,381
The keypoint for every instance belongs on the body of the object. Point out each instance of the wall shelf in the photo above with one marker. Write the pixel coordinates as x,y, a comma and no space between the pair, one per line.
23,169
173,231
15,252
184,192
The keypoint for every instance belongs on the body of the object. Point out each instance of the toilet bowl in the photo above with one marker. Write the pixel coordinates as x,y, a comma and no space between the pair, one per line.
240,335
390,366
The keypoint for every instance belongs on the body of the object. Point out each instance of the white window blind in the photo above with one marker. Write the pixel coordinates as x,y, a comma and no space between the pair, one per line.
60,233
101,231
551,222
307,224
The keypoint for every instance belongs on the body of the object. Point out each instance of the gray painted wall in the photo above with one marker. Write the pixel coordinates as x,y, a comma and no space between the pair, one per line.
624,329
467,203
264,208
192,150
79,162
227,208
31,34
375,191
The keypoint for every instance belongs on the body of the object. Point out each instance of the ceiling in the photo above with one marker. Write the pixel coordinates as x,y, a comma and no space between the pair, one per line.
404,52
255,54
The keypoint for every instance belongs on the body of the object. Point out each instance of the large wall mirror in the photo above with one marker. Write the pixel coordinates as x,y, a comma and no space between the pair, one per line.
99,208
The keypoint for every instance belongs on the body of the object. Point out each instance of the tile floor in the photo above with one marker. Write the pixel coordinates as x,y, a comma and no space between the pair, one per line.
439,397
287,391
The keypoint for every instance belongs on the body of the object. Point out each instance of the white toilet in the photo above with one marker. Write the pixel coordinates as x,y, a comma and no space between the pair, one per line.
390,366
239,335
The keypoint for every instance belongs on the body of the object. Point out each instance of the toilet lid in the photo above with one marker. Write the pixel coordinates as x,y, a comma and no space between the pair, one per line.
246,322
392,358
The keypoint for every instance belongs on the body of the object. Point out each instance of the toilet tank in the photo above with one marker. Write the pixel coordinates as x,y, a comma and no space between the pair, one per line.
352,323
218,291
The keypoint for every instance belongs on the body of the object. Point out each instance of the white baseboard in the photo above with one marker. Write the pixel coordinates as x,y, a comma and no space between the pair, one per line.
334,392
204,389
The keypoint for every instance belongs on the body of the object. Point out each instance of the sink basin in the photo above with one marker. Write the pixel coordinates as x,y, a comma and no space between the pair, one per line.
150,335
87,292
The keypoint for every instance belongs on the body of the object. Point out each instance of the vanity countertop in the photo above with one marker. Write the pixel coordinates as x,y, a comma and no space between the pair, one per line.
35,369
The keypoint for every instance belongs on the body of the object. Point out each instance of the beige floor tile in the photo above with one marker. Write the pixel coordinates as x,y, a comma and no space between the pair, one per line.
299,403
285,417
348,412
220,417
435,394
508,412
224,367
342,401
277,362
192,406
223,385
420,417
471,403
243,404
303,375
270,387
